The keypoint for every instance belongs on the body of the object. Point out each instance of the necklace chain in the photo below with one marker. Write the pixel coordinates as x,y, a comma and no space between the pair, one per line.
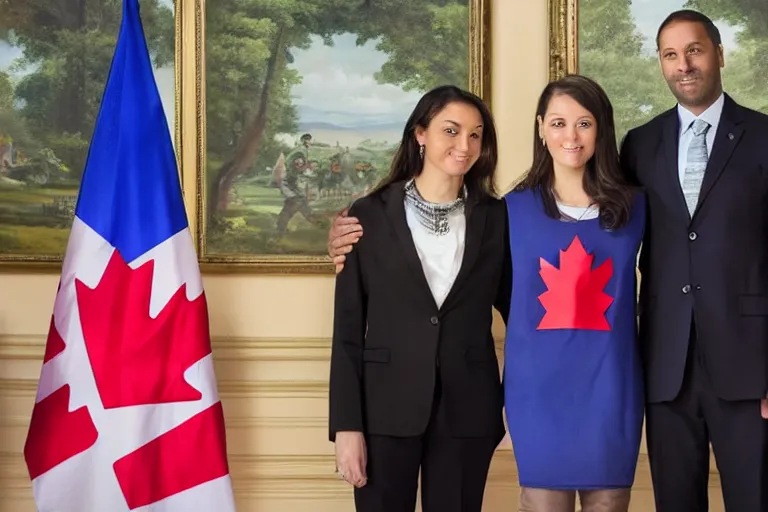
568,217
433,216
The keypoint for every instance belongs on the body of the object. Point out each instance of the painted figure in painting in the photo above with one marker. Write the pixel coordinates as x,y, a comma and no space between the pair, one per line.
414,381
291,177
704,264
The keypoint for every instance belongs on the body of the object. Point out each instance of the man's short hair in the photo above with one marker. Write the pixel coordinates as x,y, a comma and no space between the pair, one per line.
695,17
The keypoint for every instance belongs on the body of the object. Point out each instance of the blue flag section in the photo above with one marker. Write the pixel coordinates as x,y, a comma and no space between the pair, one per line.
130,192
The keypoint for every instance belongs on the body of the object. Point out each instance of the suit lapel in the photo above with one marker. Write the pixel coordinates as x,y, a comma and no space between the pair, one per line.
671,175
473,242
728,135
395,210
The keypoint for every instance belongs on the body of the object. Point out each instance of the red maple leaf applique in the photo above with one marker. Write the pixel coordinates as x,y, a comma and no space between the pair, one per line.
137,359
575,298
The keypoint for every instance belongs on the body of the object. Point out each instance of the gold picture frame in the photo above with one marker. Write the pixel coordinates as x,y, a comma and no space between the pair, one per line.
51,263
563,38
479,59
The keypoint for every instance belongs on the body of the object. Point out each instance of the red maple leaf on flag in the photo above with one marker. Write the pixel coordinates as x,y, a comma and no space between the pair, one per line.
575,298
137,359
160,468
54,345
57,434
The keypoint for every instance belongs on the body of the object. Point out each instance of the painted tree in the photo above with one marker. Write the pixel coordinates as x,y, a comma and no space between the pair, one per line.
746,71
6,92
248,83
611,52
67,49
426,42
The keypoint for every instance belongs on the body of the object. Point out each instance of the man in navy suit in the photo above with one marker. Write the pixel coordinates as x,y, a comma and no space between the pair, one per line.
704,288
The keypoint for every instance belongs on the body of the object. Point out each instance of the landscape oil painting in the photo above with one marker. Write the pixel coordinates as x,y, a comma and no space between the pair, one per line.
305,104
54,60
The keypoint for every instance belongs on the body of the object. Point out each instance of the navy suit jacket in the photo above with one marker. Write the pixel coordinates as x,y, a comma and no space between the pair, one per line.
711,267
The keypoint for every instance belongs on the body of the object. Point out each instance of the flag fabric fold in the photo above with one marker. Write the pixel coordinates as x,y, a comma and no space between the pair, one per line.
127,415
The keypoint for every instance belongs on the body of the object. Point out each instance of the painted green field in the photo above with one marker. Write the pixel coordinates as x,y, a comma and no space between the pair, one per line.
35,221
249,226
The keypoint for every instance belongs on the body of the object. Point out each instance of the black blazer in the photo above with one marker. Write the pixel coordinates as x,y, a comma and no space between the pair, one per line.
712,267
390,339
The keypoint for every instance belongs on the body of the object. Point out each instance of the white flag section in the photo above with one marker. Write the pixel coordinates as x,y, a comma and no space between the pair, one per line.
127,415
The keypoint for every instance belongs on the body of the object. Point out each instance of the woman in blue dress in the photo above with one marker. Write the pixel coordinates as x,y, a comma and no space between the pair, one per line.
572,376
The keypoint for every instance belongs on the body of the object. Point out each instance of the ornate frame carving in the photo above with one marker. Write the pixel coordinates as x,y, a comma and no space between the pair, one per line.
563,38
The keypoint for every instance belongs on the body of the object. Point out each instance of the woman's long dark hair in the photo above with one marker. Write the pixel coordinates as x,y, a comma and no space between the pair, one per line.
604,180
407,163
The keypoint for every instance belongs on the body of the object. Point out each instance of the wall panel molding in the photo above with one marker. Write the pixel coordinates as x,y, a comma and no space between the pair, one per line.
32,346
227,389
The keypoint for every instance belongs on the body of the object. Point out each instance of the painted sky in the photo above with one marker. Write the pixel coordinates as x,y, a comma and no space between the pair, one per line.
338,86
650,13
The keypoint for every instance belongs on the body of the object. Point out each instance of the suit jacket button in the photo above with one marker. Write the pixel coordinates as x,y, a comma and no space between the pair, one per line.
692,236
434,320
687,288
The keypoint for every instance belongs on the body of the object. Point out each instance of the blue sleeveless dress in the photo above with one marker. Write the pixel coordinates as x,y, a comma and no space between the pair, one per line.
572,376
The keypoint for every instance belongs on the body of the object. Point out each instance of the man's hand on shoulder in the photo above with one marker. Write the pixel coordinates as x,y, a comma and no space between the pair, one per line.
344,233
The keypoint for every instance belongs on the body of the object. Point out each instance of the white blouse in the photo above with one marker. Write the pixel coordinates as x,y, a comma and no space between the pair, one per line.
440,255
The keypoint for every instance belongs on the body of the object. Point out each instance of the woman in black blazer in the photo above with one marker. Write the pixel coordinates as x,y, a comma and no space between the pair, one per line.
414,381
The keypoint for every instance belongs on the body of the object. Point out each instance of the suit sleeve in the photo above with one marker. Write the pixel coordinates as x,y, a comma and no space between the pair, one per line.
349,324
628,161
629,166
504,291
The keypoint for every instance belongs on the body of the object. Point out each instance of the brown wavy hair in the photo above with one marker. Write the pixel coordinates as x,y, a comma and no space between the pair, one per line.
604,180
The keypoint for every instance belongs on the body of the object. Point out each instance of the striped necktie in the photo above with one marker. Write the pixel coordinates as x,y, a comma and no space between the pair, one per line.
696,164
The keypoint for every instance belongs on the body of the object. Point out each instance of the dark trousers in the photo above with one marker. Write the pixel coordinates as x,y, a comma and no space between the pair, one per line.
679,434
453,470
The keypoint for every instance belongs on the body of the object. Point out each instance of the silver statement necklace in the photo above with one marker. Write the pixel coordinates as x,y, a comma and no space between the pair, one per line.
433,216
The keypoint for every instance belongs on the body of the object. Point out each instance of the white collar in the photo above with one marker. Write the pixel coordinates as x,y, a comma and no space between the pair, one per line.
711,115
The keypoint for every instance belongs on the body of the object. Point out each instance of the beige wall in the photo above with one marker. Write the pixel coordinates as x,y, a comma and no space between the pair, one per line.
271,335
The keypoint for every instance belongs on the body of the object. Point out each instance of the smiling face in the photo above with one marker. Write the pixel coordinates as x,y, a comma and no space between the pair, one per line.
691,62
569,132
453,140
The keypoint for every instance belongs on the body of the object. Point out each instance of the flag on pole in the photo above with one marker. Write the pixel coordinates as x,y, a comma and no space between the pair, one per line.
127,415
